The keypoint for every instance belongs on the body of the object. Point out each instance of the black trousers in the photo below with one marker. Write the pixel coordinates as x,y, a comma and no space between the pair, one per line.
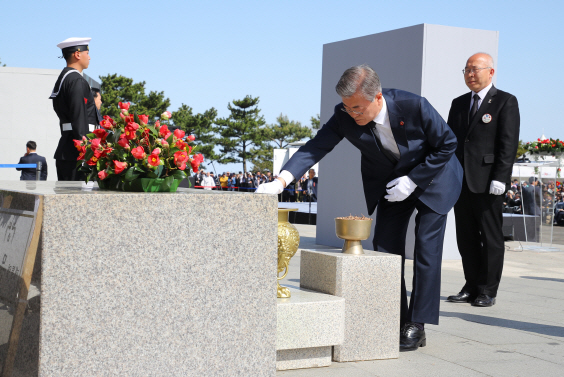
68,171
479,237
392,220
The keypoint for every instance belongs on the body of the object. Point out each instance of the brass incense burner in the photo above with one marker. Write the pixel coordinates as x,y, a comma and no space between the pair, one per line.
288,242
353,229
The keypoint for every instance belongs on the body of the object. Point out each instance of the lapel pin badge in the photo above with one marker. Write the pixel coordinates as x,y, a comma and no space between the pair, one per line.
401,123
487,118
490,100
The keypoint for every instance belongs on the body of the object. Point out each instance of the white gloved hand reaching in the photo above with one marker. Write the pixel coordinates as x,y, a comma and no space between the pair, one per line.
399,189
497,188
275,187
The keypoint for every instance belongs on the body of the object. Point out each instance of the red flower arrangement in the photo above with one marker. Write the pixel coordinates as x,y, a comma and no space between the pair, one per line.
545,145
130,148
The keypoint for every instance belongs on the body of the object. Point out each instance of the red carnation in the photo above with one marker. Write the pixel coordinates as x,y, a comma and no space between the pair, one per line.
154,159
93,161
180,158
179,133
101,133
138,153
124,106
130,130
164,131
95,144
119,166
191,137
180,144
78,144
102,175
144,119
123,142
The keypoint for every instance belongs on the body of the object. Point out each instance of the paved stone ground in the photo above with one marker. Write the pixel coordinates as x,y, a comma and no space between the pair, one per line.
522,335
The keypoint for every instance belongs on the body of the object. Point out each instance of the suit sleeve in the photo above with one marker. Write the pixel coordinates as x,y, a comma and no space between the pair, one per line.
44,170
314,150
507,140
442,145
77,96
21,162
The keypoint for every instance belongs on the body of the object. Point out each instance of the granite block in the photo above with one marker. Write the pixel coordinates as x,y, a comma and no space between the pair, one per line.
303,358
370,284
309,319
162,284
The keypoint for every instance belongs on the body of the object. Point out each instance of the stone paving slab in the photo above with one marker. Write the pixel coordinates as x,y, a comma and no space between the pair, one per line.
522,335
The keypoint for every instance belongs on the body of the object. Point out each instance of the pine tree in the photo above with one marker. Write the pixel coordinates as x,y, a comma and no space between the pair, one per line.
117,89
240,132
286,132
315,122
199,125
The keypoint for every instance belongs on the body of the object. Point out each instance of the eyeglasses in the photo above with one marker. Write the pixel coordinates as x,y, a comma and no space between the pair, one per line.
472,70
350,111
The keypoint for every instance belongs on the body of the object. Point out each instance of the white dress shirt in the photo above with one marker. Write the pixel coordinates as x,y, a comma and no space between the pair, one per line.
384,130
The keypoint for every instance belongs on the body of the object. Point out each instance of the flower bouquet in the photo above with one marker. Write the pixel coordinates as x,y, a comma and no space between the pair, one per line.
131,155
551,146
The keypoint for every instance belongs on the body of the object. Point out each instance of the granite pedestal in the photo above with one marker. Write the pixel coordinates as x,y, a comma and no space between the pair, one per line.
370,285
164,284
309,324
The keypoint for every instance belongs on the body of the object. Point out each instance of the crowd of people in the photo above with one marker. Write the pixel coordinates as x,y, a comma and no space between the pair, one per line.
304,190
536,198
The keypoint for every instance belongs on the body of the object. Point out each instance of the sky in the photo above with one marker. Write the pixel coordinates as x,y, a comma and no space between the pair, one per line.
208,53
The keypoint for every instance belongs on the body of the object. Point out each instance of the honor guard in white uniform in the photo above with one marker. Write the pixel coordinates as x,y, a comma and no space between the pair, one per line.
74,104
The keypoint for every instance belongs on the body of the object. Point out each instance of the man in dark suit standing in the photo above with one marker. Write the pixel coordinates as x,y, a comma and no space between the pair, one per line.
30,174
532,197
486,124
407,163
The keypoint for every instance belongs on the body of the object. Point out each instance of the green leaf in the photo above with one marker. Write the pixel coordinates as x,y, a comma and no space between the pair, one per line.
179,174
131,174
88,155
159,171
168,182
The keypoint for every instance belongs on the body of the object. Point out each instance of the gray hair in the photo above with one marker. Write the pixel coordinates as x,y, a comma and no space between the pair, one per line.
360,78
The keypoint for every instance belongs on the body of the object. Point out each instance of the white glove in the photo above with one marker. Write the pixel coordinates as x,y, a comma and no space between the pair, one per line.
275,187
497,188
399,189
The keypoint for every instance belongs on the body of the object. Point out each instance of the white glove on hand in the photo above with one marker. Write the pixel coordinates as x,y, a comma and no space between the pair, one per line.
399,189
497,188
275,187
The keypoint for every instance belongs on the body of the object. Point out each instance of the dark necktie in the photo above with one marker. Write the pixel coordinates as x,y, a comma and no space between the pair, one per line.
474,109
389,155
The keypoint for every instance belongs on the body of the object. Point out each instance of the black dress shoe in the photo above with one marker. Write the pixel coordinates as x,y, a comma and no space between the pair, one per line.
461,297
411,338
484,300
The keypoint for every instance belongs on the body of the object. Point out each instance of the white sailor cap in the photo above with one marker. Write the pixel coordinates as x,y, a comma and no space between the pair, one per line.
74,44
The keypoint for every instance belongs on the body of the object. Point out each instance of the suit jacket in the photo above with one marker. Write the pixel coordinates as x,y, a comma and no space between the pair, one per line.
486,150
30,174
426,145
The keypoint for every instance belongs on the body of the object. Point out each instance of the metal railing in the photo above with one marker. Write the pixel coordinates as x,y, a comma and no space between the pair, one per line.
26,166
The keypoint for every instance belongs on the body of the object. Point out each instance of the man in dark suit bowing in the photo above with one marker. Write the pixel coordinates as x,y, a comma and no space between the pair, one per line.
486,124
407,163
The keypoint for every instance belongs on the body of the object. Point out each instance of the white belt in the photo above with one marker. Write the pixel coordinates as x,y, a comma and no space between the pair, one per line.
68,127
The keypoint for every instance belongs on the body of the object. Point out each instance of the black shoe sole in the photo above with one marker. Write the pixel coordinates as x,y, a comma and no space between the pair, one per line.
484,306
423,343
